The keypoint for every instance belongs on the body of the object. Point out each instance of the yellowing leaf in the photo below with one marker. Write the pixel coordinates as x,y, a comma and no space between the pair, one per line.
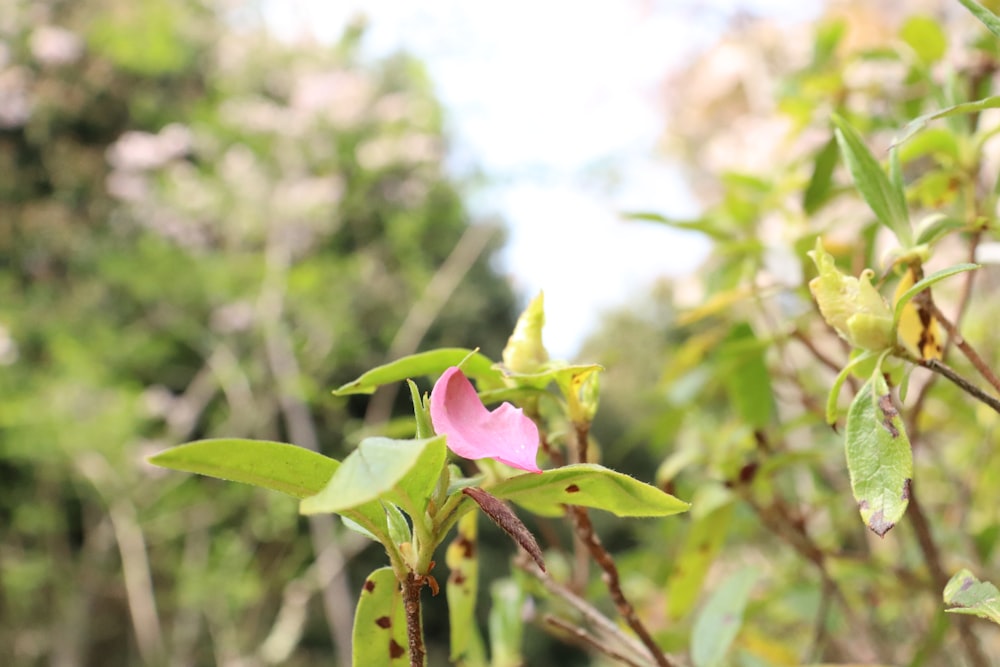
918,331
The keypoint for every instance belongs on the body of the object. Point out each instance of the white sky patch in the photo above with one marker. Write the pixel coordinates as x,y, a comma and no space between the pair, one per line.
557,103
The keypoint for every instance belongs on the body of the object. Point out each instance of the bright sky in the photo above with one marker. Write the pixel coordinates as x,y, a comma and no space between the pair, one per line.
557,103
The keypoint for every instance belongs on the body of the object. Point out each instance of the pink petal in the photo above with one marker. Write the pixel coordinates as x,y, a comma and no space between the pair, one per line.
476,433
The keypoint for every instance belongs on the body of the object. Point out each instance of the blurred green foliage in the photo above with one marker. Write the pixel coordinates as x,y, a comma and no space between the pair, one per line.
725,377
202,231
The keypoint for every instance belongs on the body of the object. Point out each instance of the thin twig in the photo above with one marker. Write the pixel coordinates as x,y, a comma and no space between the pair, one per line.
963,345
932,557
585,529
589,640
591,614
963,384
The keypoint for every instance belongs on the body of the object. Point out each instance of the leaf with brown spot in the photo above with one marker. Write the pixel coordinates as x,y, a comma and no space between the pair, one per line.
463,583
879,459
504,517
965,594
586,485
379,635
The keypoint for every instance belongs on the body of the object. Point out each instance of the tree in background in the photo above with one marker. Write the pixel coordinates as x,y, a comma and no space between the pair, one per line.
202,230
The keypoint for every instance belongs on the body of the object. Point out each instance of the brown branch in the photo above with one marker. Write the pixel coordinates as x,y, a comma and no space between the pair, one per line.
963,384
588,640
963,345
414,629
602,624
585,530
932,557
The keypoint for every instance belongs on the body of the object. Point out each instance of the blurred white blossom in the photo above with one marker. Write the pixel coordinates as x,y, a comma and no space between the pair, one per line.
8,347
51,45
140,151
15,98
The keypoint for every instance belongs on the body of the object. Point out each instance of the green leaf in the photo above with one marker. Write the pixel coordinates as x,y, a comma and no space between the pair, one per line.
463,584
934,227
720,619
989,19
399,527
430,363
886,201
404,471
711,514
920,122
940,142
278,466
587,485
379,636
879,459
706,225
745,375
506,623
925,36
421,411
967,595
838,383
926,282
821,181
561,373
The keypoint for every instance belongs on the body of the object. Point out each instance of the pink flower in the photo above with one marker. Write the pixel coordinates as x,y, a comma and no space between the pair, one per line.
474,432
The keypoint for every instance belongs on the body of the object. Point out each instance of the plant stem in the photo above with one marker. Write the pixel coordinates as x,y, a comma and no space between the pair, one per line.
963,345
589,640
966,386
932,557
602,625
585,530
414,628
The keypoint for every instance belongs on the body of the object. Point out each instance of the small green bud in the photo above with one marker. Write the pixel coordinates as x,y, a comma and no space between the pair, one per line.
852,306
525,352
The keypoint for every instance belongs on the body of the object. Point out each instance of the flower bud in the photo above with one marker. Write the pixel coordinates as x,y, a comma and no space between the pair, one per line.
525,352
851,305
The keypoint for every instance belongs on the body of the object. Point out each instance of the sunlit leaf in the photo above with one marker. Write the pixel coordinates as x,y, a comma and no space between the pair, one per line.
926,282
588,485
879,459
989,19
379,636
965,594
720,619
278,466
920,122
434,363
706,225
405,471
888,202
